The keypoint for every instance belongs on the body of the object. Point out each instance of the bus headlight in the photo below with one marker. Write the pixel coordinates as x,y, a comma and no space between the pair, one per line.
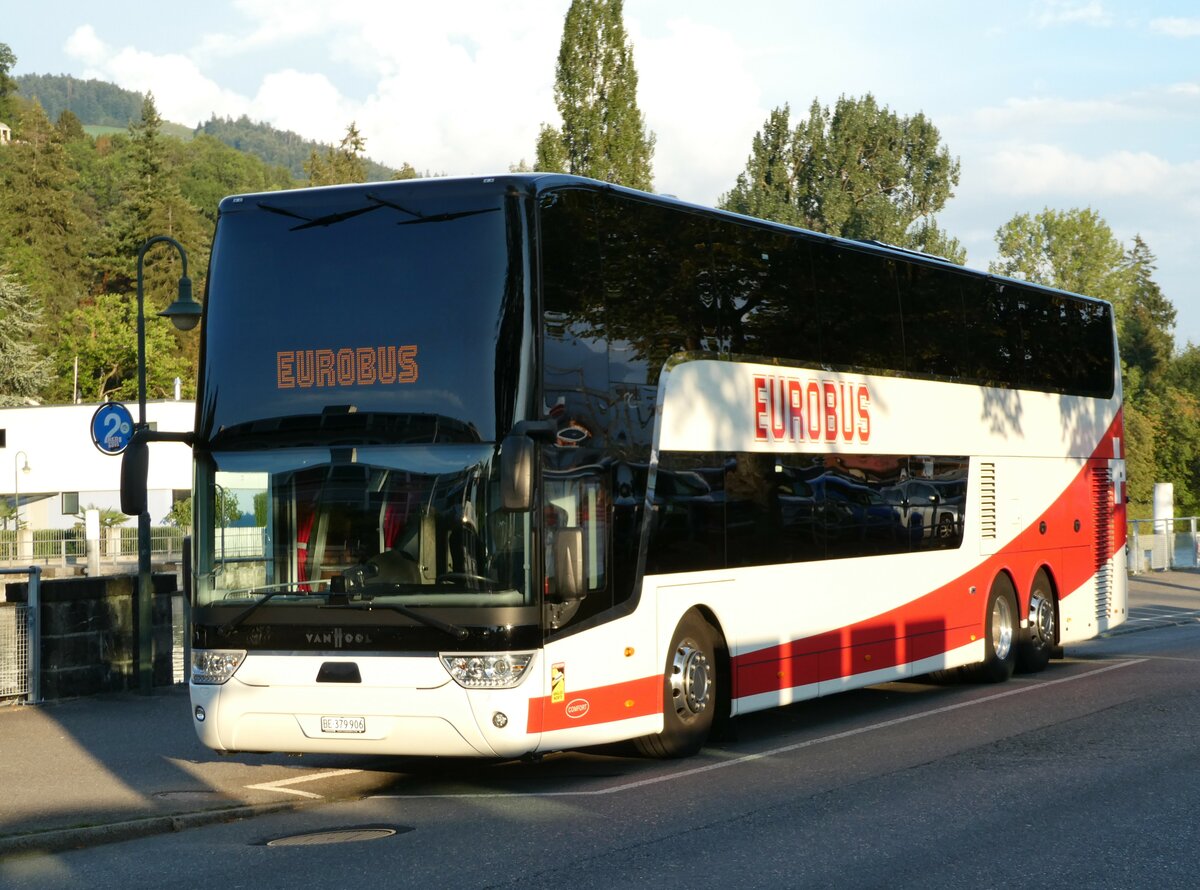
489,670
212,667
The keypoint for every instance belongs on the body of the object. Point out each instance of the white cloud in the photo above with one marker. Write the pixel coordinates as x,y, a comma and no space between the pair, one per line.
698,96
1048,171
1052,13
1033,114
303,103
453,88
1177,27
83,44
182,93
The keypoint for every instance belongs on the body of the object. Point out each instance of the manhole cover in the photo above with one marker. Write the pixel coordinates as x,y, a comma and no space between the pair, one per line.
335,836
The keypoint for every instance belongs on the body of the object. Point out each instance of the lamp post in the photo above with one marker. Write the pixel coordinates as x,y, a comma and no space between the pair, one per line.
184,313
17,493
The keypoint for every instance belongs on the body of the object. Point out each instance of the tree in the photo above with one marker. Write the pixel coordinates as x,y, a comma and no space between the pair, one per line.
406,171
8,61
207,170
603,134
343,164
102,335
229,511
1073,250
42,229
69,126
151,202
1147,318
180,514
109,518
767,188
857,171
23,371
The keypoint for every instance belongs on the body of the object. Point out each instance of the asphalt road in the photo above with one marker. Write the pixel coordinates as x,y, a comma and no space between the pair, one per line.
1084,775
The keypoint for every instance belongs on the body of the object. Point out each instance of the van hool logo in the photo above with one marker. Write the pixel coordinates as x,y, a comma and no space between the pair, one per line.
338,637
576,708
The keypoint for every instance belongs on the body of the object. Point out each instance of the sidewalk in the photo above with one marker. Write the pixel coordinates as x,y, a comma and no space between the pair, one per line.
94,770
103,768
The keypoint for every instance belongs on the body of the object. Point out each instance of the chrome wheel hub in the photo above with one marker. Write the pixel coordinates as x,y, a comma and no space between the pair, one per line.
691,681
1002,627
1041,619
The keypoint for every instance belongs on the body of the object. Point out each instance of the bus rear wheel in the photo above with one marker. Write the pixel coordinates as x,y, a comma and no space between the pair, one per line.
1038,640
1000,635
690,692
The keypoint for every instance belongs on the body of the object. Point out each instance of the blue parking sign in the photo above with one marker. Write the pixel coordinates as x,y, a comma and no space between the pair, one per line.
112,427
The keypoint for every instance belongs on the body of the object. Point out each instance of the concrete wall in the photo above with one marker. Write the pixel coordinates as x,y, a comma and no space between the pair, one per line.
89,637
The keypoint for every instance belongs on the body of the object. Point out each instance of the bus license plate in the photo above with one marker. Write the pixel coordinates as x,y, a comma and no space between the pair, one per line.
343,724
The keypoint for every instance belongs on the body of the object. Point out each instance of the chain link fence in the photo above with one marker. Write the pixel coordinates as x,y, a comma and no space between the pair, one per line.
20,635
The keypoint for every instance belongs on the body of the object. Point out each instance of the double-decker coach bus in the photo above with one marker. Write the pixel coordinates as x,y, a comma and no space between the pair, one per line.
511,465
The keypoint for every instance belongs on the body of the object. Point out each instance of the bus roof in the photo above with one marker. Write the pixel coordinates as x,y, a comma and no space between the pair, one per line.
534,184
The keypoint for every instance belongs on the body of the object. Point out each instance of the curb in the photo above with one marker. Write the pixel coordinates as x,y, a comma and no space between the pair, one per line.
64,839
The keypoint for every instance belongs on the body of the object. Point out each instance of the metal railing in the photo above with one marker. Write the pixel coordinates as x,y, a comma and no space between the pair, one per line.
1161,544
70,546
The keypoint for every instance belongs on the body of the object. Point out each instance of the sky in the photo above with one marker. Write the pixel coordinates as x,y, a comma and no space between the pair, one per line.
1056,104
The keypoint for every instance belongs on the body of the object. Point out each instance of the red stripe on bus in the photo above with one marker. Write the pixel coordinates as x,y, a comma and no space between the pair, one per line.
952,615
601,704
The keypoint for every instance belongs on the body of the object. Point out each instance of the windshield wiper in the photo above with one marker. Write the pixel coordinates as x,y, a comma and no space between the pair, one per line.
328,219
457,631
454,630
419,217
225,629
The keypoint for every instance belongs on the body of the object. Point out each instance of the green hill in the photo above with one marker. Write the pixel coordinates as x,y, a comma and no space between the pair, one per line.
106,108
94,102
281,148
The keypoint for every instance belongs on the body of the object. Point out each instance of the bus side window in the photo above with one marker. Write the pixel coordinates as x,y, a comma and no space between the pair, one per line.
933,320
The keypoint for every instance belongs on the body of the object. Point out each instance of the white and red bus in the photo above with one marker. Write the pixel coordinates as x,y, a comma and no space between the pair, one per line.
492,467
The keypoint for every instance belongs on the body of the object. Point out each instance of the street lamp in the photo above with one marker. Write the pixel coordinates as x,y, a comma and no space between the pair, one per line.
185,315
17,492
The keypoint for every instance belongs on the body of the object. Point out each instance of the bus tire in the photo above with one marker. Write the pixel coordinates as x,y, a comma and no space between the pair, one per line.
690,692
1040,637
1000,634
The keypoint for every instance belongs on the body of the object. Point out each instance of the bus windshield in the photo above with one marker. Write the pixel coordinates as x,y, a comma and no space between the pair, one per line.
363,300
408,525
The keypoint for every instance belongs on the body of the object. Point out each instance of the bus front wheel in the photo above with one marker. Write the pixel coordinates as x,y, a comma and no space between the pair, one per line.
1000,634
690,692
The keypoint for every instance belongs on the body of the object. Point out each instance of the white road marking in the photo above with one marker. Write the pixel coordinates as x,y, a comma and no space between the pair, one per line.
774,752
1168,615
313,777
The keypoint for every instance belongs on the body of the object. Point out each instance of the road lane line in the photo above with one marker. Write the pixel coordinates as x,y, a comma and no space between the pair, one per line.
773,752
279,784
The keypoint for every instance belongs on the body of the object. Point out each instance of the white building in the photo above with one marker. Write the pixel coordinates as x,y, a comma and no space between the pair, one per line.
67,473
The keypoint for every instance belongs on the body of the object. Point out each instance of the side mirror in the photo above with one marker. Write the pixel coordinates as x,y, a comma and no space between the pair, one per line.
516,474
135,464
568,565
